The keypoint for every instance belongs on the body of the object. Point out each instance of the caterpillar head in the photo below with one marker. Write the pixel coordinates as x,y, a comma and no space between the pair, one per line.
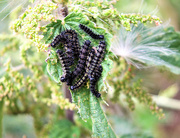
103,42
101,36
72,87
87,42
63,79
100,68
59,51
98,95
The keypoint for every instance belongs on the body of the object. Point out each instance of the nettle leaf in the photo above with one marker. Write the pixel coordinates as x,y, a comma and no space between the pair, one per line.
54,68
173,62
101,128
88,105
171,39
81,98
53,29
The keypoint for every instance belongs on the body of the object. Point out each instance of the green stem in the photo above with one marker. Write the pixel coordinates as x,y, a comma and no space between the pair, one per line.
1,118
69,113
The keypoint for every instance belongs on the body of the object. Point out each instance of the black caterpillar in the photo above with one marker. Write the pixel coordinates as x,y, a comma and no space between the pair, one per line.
73,39
97,59
95,70
71,44
90,32
59,38
80,68
65,67
85,76
94,80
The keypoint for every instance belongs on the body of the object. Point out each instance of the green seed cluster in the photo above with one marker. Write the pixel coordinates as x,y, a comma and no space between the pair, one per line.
9,43
134,18
29,23
14,82
14,85
100,12
54,96
58,99
20,91
123,83
145,98
106,15
36,69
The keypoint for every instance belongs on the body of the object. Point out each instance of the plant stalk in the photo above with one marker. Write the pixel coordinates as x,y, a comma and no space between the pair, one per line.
1,118
69,113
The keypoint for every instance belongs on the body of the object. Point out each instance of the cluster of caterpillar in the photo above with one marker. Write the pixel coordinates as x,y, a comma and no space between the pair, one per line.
88,65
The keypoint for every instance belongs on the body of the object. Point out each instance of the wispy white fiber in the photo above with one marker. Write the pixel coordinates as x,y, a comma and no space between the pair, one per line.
11,6
141,45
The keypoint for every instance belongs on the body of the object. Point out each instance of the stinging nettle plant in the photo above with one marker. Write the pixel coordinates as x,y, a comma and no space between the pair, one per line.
34,31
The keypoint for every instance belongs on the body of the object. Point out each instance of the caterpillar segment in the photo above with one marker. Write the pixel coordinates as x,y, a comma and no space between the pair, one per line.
80,82
65,67
93,89
94,80
97,59
77,48
80,68
70,40
68,45
74,41
83,80
89,59
90,32
59,38
98,72
69,52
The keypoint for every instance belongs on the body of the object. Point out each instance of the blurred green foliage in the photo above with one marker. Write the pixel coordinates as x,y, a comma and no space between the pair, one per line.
64,129
18,126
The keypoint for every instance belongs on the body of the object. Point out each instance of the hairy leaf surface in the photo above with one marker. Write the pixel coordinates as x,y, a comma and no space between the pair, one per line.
54,68
64,129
